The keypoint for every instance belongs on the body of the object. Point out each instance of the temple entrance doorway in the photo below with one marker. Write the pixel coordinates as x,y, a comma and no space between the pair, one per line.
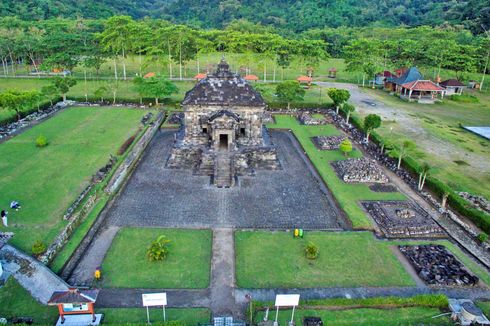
223,142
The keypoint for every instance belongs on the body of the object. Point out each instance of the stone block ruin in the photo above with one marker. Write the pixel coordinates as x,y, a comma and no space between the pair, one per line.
222,132
306,118
328,143
436,266
362,170
402,219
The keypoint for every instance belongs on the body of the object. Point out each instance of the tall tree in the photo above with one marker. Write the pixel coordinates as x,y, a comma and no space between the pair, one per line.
371,122
289,91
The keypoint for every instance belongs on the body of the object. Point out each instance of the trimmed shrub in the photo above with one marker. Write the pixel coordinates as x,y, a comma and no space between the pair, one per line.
482,237
158,249
464,98
311,250
38,248
41,141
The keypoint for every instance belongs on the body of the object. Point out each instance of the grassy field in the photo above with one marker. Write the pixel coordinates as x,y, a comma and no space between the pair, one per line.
17,302
187,265
364,316
461,158
136,65
46,180
189,316
347,195
276,259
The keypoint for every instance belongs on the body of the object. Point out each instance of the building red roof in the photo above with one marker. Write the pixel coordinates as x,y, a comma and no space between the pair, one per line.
332,70
251,77
302,79
200,76
452,82
422,85
73,295
149,75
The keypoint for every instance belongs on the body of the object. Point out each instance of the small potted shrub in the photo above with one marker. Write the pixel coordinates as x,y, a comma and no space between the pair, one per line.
38,248
482,237
158,249
311,250
41,141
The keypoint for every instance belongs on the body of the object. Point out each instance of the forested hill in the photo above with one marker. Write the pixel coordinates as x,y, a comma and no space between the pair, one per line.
289,15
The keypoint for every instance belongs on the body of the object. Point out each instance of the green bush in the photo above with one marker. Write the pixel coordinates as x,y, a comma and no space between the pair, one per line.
38,248
482,237
41,141
464,98
158,249
311,251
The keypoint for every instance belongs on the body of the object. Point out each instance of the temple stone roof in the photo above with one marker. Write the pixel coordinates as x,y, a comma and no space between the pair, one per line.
223,88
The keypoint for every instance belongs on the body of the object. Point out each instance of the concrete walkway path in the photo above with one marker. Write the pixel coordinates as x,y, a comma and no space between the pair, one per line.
222,287
94,256
31,274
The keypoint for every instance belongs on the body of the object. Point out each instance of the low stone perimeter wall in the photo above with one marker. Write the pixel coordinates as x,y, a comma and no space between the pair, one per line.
123,170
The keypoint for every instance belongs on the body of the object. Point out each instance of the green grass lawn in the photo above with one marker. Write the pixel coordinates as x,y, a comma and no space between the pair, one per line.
346,194
189,316
364,316
347,259
187,264
47,180
458,167
17,302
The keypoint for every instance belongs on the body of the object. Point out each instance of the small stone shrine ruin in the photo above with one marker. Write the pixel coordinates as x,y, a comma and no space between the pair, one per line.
435,265
328,143
363,170
222,134
402,219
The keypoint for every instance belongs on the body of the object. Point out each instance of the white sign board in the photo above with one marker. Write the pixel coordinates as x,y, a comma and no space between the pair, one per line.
287,300
154,299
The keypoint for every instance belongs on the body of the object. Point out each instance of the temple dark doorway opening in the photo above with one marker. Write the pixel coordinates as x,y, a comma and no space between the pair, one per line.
223,142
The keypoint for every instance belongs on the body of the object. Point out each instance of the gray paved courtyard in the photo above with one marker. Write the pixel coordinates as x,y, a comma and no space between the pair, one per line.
289,198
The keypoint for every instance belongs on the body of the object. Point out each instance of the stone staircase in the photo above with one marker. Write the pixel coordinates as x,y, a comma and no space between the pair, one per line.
223,171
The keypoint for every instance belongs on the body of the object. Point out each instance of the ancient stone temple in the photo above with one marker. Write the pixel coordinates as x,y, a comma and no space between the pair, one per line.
222,134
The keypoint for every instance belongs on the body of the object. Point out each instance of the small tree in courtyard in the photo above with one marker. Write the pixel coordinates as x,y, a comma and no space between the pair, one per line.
312,251
99,92
63,85
158,249
348,109
290,91
371,122
49,92
402,151
15,101
339,97
156,87
345,146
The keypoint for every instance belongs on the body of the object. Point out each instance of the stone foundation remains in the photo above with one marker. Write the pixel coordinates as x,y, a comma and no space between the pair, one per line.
402,219
435,265
361,170
306,118
328,142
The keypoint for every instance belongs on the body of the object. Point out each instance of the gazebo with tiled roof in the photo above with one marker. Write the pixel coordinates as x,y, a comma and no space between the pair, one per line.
74,302
200,76
421,89
251,77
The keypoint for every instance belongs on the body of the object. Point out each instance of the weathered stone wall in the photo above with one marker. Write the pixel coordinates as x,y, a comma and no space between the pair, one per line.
133,156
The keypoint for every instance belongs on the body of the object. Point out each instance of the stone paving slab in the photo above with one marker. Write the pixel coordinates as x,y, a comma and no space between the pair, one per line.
31,274
131,298
161,197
